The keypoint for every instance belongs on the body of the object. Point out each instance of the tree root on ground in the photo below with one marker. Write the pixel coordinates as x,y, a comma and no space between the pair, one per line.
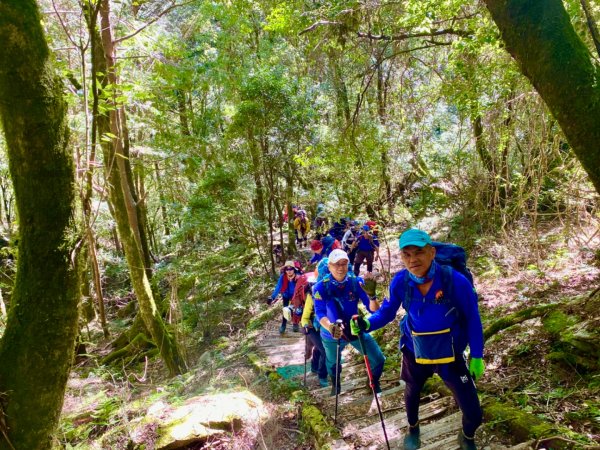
523,426
138,347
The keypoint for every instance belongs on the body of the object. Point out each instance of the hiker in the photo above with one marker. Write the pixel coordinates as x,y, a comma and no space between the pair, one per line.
336,296
442,317
286,286
285,213
348,240
367,246
338,228
301,228
323,248
298,300
373,226
311,328
278,253
321,222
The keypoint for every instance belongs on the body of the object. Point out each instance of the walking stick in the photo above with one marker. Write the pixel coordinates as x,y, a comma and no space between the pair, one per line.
305,352
371,383
338,323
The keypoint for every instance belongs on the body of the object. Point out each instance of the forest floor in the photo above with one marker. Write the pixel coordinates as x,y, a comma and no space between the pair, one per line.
102,405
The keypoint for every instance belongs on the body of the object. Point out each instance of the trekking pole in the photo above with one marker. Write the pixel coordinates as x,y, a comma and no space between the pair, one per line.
305,352
371,383
338,323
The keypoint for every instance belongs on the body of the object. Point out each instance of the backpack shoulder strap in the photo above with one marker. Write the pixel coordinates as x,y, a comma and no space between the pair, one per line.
448,283
327,284
355,286
407,293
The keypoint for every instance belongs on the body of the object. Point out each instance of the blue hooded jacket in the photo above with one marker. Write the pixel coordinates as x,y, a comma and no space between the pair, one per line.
338,301
427,314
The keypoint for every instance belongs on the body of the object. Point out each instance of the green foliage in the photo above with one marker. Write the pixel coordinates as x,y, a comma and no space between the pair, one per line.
103,413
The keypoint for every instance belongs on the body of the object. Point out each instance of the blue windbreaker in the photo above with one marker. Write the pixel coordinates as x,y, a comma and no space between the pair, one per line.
289,292
461,314
366,244
341,304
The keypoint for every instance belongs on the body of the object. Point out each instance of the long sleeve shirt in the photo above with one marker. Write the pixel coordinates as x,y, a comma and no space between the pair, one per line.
426,314
298,225
288,292
307,313
348,239
338,302
367,243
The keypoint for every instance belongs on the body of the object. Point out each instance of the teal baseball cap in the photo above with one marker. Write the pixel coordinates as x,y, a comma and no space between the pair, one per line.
415,237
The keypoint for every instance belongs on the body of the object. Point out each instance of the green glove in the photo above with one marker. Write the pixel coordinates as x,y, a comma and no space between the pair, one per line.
476,367
359,324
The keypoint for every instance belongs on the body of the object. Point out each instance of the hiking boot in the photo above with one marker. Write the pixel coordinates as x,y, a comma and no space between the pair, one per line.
323,382
296,328
376,386
282,329
412,438
465,443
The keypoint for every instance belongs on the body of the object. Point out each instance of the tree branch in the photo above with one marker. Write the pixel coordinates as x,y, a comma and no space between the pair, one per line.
404,36
591,24
161,14
318,24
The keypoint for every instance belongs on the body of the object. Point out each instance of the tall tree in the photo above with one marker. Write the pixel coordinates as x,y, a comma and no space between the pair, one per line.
125,207
540,37
37,347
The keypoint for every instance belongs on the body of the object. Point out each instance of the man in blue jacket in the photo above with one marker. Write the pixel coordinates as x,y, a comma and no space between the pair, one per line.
367,246
336,297
442,317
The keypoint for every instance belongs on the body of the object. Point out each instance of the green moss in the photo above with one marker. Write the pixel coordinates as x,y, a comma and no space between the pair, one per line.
522,425
222,343
315,424
262,318
557,321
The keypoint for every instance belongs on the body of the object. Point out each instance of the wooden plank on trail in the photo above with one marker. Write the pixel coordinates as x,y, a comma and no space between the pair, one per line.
442,433
340,444
283,360
447,443
346,386
291,350
362,409
394,424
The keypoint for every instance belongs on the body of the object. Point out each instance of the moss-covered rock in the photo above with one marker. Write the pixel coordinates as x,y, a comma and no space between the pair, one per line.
523,426
198,419
314,422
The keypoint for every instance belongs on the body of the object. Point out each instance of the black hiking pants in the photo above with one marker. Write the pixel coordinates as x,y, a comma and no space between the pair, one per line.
351,254
361,255
458,379
316,351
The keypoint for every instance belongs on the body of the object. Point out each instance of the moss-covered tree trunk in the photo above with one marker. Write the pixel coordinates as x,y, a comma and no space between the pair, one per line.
540,37
36,350
126,216
259,199
387,197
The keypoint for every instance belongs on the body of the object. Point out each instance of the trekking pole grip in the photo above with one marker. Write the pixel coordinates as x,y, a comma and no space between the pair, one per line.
355,320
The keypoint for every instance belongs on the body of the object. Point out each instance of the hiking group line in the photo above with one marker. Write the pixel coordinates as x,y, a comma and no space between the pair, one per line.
440,333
